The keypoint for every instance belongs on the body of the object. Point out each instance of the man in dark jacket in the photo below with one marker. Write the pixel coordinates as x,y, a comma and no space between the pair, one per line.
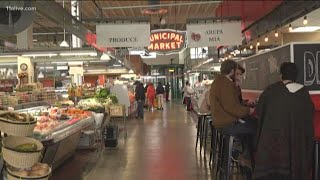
159,95
167,91
140,98
285,131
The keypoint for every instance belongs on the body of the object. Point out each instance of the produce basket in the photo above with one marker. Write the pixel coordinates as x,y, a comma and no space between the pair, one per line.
12,176
17,128
20,159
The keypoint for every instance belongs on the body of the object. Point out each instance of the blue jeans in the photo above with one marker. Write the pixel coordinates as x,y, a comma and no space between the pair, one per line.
140,109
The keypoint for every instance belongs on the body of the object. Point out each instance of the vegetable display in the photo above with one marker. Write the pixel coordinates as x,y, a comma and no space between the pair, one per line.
16,116
102,93
27,147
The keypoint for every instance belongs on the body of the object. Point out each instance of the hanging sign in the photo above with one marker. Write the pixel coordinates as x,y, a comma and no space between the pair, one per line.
214,34
167,41
123,35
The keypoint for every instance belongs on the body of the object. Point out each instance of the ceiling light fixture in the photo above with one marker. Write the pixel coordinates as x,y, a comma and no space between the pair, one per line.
64,42
305,20
245,50
290,28
251,47
258,43
266,39
276,33
105,57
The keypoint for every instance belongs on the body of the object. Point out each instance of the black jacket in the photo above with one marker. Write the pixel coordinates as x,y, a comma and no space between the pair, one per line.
159,90
139,93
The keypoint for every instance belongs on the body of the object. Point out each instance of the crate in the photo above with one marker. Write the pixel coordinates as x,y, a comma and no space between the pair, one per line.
117,110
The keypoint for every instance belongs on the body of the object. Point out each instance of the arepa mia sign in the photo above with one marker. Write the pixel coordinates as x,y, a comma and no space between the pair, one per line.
167,41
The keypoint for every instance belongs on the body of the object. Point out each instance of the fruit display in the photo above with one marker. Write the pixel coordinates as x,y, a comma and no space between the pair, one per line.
55,118
16,116
38,170
45,125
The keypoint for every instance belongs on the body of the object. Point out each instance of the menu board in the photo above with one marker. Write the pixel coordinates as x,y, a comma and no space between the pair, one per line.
263,69
307,58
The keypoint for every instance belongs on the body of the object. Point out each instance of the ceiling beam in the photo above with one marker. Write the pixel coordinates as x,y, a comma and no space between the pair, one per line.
162,5
56,13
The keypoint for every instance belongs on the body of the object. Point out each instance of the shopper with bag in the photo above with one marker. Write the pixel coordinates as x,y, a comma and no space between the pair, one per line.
187,93
160,92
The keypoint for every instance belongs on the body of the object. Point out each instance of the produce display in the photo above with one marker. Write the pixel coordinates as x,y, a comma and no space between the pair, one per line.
54,118
103,98
38,170
16,116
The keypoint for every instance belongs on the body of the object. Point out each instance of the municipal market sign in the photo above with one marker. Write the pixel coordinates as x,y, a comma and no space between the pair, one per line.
167,41
214,34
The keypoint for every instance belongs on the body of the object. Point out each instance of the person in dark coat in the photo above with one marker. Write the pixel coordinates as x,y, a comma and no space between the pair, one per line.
285,130
140,98
167,89
159,95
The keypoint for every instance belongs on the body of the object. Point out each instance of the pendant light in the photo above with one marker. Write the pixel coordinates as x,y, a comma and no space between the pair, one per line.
251,47
64,42
258,43
276,34
105,57
266,39
290,28
41,75
305,20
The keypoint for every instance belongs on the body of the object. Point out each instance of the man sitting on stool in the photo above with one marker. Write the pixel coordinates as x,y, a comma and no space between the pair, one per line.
229,114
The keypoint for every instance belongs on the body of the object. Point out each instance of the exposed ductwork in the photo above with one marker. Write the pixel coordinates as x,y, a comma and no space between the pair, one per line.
55,13
14,18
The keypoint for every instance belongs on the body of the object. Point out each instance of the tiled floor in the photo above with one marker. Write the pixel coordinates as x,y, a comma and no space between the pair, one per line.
160,147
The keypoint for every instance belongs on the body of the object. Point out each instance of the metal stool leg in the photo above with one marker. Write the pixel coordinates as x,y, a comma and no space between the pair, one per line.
316,165
202,133
228,168
198,131
213,141
206,122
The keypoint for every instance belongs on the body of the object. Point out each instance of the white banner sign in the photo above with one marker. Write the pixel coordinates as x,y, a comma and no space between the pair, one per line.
214,34
123,35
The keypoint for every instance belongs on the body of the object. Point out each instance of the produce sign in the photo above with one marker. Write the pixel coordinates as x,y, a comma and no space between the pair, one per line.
166,41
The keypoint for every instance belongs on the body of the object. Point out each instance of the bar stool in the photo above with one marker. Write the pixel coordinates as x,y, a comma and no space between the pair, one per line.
316,160
206,123
223,159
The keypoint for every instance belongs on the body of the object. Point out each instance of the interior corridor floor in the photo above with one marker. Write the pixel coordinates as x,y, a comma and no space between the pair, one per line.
160,147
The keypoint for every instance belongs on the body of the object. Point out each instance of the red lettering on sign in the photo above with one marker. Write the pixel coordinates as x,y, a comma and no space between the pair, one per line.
167,41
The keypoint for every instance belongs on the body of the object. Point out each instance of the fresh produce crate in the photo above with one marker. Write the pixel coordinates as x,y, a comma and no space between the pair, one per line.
117,110
21,152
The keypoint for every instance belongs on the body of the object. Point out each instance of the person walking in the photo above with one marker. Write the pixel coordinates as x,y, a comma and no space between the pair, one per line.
187,93
151,94
140,98
285,112
167,89
160,92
